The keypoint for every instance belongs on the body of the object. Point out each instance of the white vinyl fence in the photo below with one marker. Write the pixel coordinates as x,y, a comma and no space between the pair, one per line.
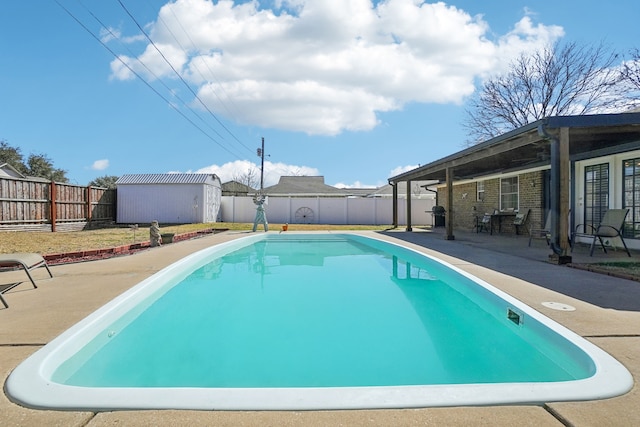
327,210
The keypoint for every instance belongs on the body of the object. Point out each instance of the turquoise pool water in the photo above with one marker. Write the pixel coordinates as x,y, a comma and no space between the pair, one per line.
319,313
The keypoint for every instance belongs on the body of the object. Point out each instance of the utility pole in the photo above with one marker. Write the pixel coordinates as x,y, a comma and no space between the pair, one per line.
260,199
261,154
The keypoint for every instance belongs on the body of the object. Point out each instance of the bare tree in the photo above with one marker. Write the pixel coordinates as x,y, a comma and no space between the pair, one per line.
557,80
250,178
631,73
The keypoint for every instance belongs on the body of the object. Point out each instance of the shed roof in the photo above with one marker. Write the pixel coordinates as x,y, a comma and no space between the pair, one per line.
168,178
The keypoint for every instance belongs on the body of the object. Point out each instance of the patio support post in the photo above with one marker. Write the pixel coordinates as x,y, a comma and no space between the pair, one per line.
565,193
394,188
560,165
449,221
409,206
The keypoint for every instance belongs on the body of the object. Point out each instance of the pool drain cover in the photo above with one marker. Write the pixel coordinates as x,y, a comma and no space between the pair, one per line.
559,306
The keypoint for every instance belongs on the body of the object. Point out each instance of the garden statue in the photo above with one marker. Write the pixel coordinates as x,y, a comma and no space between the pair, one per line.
261,215
154,234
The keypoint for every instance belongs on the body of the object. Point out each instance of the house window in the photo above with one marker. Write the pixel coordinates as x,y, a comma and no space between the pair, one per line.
596,194
631,197
509,193
480,191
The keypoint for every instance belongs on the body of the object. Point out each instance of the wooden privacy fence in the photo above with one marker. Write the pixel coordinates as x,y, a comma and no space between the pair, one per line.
40,205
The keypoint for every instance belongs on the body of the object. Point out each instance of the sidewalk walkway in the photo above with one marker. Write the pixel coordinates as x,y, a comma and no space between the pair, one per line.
607,313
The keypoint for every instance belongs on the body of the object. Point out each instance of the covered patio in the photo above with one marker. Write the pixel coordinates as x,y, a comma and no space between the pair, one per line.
554,142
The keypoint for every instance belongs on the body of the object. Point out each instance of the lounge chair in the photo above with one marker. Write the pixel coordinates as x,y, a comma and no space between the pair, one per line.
542,232
28,261
520,220
612,226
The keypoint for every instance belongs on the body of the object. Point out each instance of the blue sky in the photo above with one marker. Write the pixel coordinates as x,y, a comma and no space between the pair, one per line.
353,90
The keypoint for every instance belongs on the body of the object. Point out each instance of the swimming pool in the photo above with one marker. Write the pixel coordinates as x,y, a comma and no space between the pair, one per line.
322,321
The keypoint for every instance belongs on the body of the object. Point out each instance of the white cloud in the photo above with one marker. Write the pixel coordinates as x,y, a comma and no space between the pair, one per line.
357,184
100,165
525,36
110,34
402,169
326,66
272,171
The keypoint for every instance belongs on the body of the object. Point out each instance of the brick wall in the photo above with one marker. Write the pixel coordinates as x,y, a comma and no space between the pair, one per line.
467,207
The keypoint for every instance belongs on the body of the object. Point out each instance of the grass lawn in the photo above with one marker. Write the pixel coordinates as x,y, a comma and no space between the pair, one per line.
73,241
628,270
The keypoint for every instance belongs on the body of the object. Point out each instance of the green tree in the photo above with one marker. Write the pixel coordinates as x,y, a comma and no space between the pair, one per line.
12,156
106,181
40,165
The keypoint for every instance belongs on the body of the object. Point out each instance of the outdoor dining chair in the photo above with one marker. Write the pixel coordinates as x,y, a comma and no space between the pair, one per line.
542,232
520,220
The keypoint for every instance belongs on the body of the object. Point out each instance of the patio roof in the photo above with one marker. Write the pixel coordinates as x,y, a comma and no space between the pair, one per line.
528,146
553,141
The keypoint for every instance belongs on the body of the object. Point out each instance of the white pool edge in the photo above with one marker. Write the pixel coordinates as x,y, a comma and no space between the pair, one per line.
28,384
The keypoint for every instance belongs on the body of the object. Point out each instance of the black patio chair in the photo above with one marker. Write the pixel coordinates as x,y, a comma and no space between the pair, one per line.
612,226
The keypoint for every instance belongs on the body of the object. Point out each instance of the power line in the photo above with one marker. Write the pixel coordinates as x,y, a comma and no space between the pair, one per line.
157,78
211,73
143,80
178,74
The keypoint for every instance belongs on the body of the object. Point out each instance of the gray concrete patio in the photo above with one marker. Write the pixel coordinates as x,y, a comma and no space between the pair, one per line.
607,313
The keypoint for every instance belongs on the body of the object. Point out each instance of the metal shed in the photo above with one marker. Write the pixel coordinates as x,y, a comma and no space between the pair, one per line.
174,198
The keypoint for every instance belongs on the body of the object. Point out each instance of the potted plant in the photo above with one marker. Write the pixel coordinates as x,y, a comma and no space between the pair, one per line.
167,238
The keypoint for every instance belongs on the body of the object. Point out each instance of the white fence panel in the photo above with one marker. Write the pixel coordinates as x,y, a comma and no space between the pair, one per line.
362,211
334,211
237,209
276,207
327,210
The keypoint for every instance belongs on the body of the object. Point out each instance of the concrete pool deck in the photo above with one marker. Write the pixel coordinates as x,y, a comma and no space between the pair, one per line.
607,314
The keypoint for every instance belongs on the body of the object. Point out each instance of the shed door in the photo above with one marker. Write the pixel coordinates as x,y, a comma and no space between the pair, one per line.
210,204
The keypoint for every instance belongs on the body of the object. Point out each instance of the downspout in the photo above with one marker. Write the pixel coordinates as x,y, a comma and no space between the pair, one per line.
394,206
432,191
554,210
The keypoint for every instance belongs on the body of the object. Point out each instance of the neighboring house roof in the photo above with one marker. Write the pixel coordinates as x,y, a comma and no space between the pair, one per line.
304,185
7,170
418,188
167,178
236,187
360,192
315,186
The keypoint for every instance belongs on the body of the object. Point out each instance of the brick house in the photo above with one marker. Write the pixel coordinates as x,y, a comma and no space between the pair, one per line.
573,168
